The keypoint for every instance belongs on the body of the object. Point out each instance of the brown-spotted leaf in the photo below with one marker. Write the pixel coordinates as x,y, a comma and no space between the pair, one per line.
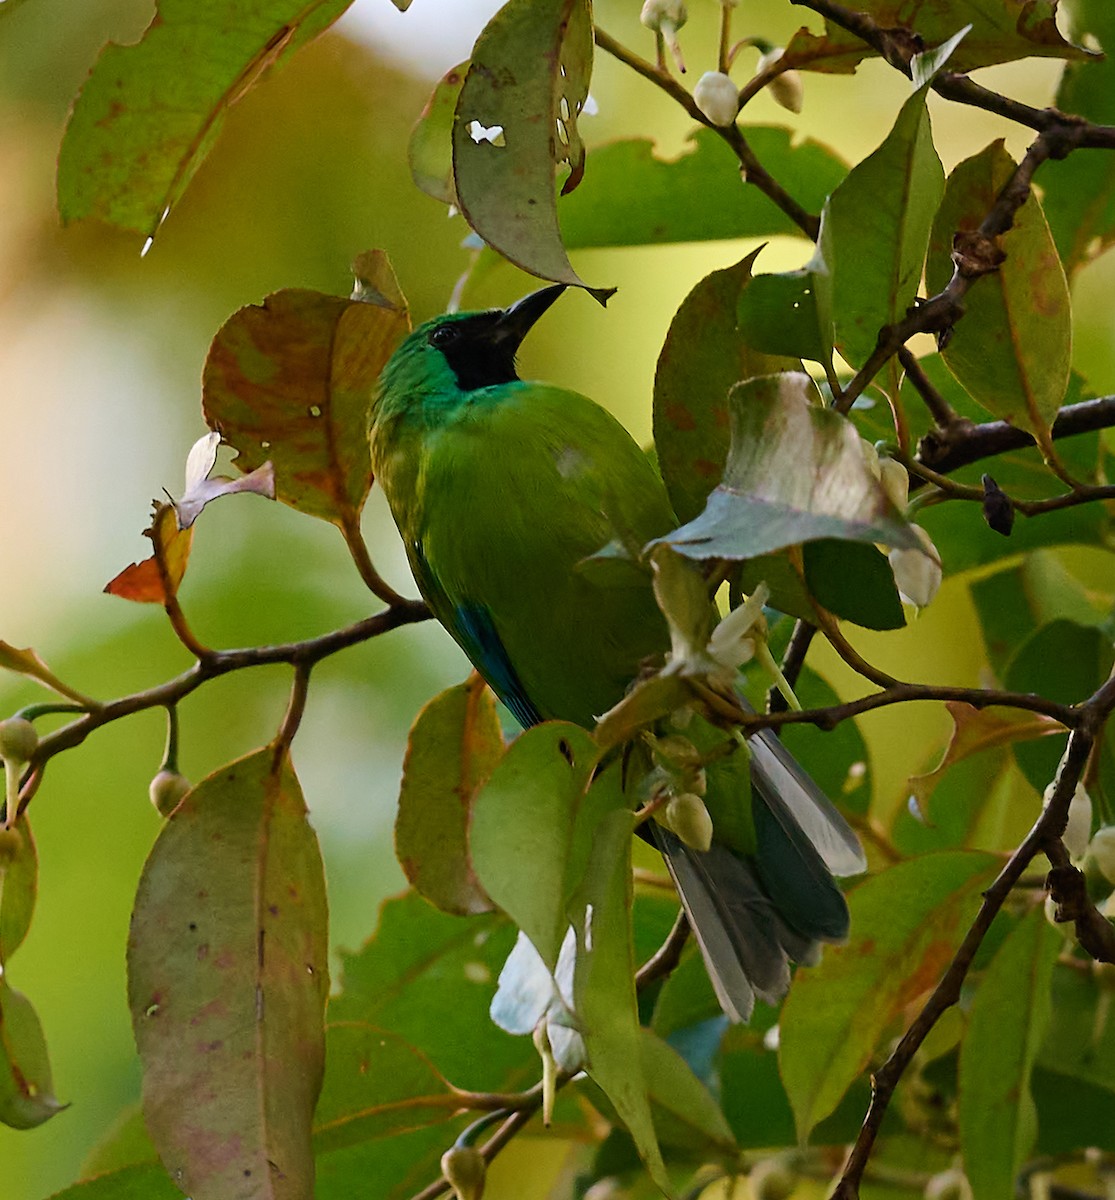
149,113
1012,350
155,580
977,729
290,381
454,745
703,356
907,923
516,121
26,1088
430,149
227,982
27,662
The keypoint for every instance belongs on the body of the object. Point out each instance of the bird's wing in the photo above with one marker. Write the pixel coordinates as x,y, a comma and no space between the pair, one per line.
474,631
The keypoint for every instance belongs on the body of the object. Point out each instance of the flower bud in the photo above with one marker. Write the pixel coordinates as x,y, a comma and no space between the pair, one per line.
917,573
18,740
949,1185
896,482
1102,850
716,96
772,1179
465,1170
786,87
1079,827
166,791
688,817
666,17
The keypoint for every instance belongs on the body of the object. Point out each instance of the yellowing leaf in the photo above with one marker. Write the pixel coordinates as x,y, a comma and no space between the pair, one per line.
156,579
977,729
27,662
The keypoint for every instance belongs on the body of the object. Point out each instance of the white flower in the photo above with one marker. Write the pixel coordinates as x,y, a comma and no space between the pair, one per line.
917,573
1079,829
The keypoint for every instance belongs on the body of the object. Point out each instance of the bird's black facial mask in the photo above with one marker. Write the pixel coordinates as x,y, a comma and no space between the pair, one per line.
480,349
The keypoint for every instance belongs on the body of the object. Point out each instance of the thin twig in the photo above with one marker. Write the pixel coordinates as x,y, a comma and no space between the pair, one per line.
1049,826
663,961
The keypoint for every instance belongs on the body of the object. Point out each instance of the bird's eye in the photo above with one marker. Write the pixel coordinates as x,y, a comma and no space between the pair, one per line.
444,335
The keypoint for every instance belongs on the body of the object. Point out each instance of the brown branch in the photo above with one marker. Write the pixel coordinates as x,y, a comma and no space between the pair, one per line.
1068,890
1046,830
792,662
751,169
300,655
663,961
948,449
944,417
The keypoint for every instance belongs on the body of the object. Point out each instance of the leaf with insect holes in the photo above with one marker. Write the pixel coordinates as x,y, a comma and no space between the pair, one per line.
150,112
291,381
516,122
795,473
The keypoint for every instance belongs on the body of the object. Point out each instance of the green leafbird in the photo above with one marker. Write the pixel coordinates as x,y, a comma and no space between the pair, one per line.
501,490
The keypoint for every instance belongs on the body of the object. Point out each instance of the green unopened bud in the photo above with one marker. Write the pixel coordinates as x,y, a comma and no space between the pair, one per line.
18,740
786,87
1102,850
688,817
166,791
465,1170
773,1179
716,96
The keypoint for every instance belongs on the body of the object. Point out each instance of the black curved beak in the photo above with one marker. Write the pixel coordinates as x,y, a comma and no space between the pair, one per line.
516,322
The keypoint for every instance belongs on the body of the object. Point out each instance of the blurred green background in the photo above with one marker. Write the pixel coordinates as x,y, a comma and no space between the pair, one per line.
100,360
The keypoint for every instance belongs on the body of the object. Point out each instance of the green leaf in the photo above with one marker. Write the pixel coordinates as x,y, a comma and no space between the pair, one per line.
906,925
702,357
1064,662
150,112
529,847
854,581
796,472
876,230
604,974
430,149
685,1114
529,75
393,1168
1009,1016
19,885
227,981
790,313
454,746
1012,348
631,197
289,381
139,1181
429,978
1078,194
1081,1042
374,1087
26,1089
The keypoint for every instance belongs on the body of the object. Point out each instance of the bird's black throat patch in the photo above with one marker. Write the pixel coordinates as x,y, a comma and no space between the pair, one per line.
476,352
